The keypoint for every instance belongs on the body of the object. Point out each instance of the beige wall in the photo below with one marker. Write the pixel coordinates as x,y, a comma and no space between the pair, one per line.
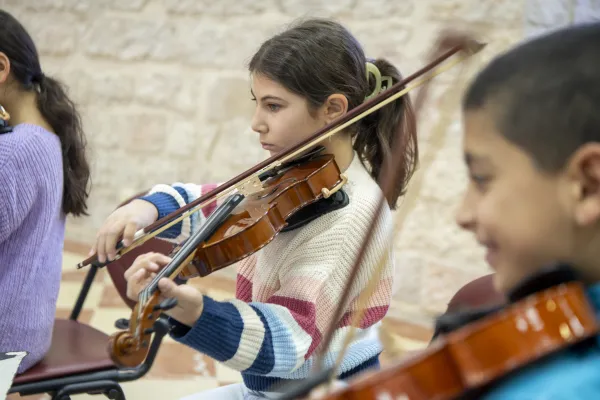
164,93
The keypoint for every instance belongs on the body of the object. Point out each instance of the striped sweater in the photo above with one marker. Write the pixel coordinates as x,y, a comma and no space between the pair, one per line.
287,293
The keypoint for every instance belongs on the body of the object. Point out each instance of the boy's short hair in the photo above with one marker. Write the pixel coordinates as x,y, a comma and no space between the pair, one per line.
544,95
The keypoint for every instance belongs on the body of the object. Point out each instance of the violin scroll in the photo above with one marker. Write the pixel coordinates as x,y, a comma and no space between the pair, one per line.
129,348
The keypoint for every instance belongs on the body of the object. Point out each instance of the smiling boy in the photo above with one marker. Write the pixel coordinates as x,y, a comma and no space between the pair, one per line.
532,147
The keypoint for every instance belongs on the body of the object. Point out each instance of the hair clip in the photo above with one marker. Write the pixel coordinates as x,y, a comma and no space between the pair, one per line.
379,87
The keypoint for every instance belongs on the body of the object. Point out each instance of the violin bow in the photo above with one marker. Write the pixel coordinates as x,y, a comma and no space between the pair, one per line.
248,182
466,47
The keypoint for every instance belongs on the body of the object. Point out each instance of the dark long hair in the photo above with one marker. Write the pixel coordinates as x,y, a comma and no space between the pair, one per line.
317,58
56,108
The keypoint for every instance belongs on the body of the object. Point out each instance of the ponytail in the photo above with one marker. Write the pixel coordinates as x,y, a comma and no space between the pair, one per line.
61,114
376,133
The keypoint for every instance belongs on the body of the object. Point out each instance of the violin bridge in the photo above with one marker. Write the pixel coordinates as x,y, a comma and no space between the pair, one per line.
250,186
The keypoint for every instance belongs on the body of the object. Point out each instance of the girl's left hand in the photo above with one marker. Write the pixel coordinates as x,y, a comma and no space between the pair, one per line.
189,301
144,269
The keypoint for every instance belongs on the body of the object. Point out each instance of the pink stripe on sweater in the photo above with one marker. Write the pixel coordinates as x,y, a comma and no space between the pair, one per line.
382,294
243,289
370,317
303,313
212,206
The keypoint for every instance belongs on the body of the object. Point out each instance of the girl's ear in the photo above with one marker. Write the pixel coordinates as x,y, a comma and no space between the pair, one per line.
334,107
4,67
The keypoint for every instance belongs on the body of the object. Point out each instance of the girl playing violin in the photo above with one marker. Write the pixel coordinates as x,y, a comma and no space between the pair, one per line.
532,147
43,177
286,295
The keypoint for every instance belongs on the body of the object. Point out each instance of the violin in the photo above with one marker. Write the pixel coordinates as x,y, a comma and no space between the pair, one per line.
262,202
466,361
236,229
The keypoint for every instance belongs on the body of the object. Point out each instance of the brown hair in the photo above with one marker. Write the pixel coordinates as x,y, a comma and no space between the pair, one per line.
317,58
56,108
544,94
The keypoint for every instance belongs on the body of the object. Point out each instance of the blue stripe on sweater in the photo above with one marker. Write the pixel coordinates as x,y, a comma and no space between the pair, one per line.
217,332
265,359
280,340
166,204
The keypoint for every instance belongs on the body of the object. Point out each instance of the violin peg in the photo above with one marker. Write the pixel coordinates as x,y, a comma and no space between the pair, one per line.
122,323
166,304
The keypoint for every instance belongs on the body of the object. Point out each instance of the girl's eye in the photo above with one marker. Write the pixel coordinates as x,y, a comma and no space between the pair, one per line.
480,181
273,107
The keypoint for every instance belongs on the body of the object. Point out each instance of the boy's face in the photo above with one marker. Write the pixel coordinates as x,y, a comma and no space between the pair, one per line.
520,214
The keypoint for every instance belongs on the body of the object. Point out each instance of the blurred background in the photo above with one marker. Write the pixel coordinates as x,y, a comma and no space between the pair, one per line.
164,92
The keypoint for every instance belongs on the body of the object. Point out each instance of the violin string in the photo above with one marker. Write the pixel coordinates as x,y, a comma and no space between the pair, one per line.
141,237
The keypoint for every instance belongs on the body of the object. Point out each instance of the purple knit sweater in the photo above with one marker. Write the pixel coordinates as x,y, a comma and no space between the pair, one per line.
31,239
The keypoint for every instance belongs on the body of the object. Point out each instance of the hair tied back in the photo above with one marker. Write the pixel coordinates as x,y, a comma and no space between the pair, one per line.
379,87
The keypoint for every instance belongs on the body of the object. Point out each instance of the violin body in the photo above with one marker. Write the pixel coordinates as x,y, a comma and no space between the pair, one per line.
251,225
476,355
262,215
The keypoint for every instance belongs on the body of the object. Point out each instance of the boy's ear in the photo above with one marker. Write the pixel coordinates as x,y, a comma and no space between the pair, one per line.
584,171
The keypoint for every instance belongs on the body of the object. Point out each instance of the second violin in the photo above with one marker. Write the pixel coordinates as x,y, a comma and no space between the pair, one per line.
462,363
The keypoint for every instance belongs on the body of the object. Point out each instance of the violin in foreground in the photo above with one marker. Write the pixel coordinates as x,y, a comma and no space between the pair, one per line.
463,362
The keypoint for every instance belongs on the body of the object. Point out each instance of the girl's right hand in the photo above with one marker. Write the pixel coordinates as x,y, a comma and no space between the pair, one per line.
123,223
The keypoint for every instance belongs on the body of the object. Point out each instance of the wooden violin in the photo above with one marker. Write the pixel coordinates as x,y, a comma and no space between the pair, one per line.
464,361
238,228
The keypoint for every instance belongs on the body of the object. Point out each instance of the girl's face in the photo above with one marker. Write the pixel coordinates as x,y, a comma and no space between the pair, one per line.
282,118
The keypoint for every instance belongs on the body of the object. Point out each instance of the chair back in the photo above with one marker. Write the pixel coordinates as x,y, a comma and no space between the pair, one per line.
117,268
476,294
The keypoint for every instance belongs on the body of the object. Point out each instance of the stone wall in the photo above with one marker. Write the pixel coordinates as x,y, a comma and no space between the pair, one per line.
164,92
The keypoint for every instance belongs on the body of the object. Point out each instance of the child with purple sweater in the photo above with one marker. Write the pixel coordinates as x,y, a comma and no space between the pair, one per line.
43,177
